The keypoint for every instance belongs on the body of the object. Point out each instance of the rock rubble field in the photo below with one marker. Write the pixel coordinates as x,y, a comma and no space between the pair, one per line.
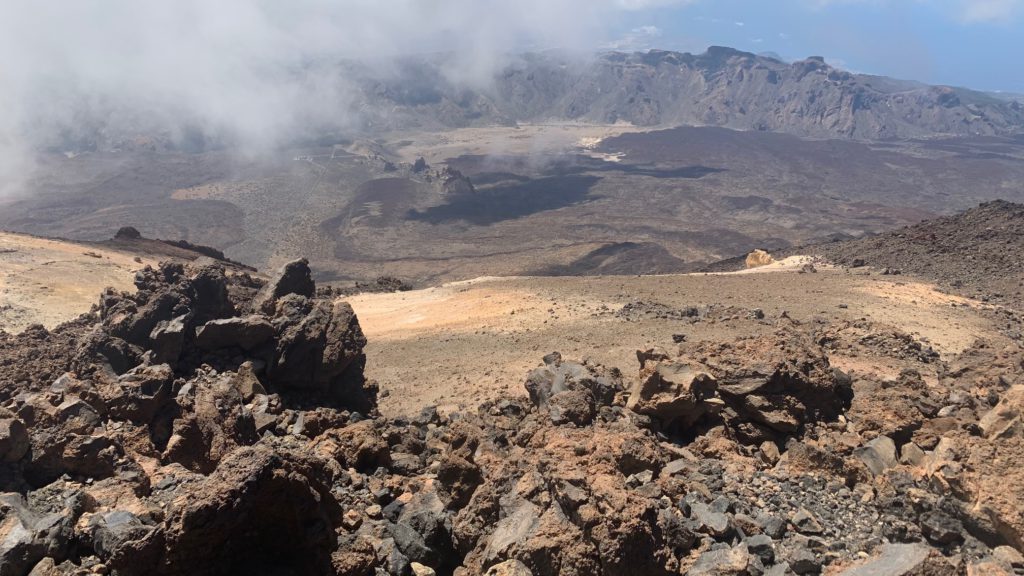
216,423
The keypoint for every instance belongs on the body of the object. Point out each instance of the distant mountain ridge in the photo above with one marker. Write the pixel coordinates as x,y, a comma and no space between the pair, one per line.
721,87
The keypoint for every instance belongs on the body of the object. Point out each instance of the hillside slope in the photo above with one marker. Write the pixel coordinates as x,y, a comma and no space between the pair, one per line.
979,252
49,281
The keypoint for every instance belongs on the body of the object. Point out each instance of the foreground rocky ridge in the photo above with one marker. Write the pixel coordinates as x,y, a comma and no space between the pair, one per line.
212,423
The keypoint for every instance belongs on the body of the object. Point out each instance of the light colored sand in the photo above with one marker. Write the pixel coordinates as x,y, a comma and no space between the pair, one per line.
463,342
915,307
524,139
788,264
47,282
449,308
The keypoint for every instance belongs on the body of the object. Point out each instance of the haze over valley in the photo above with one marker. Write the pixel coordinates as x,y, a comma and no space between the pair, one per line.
616,163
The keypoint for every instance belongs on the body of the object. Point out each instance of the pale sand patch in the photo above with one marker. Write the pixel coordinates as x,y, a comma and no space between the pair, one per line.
200,192
788,264
589,145
917,293
922,310
464,342
47,282
446,309
524,139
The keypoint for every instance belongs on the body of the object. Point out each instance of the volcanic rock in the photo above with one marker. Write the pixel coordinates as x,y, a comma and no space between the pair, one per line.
762,546
121,538
942,529
319,347
14,440
763,389
896,560
246,333
293,278
509,568
1005,418
758,258
727,562
168,340
460,478
281,500
571,392
127,233
806,523
358,446
878,455
675,393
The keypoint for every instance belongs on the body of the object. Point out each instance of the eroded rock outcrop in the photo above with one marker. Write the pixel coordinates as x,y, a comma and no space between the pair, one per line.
762,389
162,429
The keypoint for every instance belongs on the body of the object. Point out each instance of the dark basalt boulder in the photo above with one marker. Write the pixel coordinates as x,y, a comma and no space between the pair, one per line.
246,333
293,278
572,392
14,440
319,345
279,501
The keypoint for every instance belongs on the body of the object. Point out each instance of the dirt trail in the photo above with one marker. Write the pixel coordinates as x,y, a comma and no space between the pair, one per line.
459,343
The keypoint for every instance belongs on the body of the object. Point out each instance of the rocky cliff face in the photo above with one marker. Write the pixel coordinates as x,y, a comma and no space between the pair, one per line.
721,87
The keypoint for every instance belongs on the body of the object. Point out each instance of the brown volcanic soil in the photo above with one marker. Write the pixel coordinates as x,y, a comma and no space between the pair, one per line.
210,423
49,281
979,252
460,343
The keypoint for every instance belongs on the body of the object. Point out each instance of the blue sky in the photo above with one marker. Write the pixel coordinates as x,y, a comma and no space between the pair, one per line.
974,43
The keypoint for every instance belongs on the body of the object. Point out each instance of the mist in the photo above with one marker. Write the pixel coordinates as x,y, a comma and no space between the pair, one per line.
250,74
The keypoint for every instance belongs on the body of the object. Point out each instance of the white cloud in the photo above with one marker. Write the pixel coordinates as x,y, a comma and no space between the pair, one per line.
990,10
256,69
648,30
639,38
647,4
